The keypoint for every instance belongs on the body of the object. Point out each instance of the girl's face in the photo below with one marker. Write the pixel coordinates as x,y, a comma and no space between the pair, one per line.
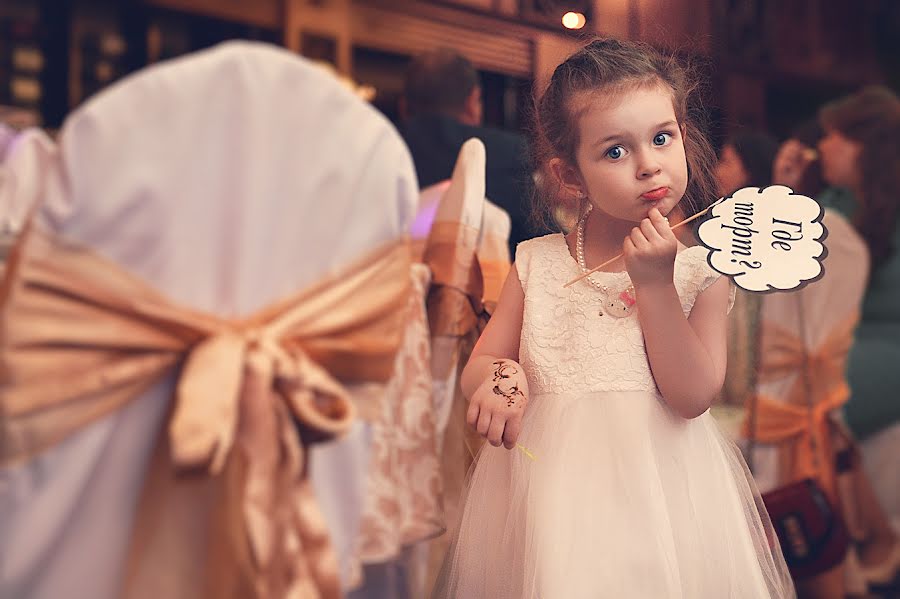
730,172
630,156
840,157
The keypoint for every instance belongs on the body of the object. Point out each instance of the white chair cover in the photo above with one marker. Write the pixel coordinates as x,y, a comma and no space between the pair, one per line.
826,304
462,203
226,179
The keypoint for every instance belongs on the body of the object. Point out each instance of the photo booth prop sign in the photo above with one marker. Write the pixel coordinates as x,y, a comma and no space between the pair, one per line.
766,239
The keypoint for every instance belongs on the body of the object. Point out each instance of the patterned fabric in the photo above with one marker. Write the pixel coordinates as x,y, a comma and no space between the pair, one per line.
562,324
404,488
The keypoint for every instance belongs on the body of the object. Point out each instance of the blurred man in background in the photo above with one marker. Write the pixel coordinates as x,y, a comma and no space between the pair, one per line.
442,108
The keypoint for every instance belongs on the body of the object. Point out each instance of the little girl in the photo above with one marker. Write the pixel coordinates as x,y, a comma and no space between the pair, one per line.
633,492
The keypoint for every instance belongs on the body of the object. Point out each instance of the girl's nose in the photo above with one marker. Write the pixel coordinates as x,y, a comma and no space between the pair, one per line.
647,165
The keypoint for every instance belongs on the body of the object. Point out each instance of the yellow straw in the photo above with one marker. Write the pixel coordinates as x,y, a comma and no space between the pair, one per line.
526,452
522,447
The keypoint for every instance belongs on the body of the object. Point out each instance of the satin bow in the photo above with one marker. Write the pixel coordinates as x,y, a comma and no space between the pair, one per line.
791,418
82,337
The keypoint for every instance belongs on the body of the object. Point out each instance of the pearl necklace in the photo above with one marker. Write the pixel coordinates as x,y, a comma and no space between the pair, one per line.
620,304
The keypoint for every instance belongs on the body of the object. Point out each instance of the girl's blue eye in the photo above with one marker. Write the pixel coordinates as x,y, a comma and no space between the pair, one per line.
661,139
615,152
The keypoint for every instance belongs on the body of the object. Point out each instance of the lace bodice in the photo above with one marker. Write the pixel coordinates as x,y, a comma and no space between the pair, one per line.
566,346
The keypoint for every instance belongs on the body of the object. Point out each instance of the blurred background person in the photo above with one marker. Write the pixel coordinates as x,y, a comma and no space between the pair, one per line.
860,159
796,163
443,108
746,160
861,152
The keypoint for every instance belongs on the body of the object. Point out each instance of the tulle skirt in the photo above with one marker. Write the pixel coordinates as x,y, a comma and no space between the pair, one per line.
623,499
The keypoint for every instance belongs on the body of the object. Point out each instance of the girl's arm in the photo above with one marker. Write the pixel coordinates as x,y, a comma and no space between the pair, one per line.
493,381
687,355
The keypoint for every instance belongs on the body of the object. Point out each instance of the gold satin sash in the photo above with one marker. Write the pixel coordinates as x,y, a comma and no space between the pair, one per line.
493,256
81,337
791,419
455,306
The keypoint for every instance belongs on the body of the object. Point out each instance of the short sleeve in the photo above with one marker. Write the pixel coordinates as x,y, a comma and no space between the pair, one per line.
523,261
710,277
694,275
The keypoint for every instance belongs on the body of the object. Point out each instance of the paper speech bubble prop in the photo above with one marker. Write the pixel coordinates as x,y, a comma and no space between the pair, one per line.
766,239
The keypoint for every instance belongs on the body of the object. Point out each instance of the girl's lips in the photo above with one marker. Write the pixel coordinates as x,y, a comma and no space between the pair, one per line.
656,194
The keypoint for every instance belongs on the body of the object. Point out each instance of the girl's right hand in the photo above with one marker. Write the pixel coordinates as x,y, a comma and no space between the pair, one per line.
497,406
791,163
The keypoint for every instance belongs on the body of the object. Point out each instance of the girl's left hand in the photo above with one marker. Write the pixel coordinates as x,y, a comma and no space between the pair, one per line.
650,251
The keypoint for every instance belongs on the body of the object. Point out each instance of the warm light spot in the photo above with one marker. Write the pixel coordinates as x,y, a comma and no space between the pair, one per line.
573,20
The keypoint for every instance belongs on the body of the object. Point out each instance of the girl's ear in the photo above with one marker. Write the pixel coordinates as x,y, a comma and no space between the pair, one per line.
568,178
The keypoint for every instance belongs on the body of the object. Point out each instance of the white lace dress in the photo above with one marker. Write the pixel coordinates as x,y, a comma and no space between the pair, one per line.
625,499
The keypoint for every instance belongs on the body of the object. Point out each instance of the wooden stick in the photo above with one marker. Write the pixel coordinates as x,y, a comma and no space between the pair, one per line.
611,260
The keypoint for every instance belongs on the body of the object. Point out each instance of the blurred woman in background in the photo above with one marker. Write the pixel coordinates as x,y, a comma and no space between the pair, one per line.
860,154
746,160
